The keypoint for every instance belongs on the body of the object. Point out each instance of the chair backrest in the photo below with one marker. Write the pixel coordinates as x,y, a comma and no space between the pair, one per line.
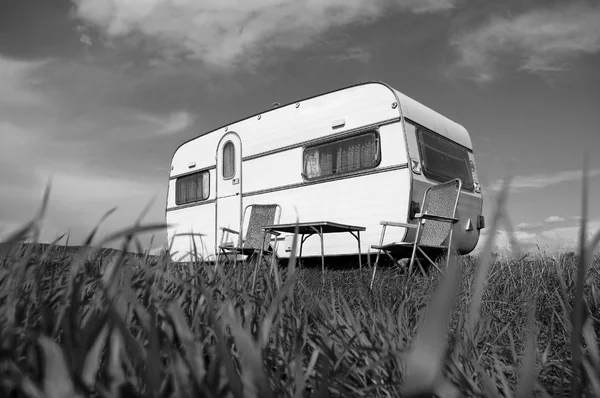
439,200
260,215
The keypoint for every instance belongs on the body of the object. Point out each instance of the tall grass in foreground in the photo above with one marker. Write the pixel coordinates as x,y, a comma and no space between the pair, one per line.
93,324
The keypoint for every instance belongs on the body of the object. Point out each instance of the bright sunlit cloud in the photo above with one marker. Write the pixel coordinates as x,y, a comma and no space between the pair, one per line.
226,33
554,239
554,219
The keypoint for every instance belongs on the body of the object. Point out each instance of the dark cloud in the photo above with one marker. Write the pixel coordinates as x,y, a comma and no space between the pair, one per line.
34,29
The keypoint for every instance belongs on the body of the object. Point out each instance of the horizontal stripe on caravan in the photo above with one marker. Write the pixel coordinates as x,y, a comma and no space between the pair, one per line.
314,141
303,184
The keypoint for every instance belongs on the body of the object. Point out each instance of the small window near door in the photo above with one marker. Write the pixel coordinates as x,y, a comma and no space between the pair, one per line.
228,160
192,188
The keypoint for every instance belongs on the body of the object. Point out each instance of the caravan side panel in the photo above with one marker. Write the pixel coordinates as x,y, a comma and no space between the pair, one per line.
381,193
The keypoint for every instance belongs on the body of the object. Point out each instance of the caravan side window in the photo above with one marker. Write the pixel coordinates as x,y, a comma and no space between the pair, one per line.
228,160
342,156
192,188
443,159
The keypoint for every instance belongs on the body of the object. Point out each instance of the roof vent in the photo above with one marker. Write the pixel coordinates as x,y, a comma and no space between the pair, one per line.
276,105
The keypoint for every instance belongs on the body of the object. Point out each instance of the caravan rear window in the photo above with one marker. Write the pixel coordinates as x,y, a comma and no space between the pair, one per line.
443,159
192,188
343,156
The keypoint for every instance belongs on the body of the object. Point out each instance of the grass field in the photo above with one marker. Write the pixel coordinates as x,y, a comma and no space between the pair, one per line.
93,322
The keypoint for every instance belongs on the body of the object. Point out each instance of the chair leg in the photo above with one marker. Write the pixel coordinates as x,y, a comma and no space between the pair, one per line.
218,259
449,247
412,260
414,251
254,276
378,254
375,268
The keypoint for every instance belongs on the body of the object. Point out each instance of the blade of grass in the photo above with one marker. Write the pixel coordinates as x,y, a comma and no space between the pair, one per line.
190,353
578,306
254,380
527,369
235,383
270,319
114,368
425,361
91,364
153,362
486,260
57,382
593,377
591,341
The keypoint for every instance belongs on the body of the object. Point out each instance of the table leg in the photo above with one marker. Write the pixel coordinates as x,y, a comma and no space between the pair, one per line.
322,255
357,237
359,252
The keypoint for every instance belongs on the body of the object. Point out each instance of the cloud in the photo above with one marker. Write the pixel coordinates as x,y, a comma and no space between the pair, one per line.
352,54
554,239
568,237
538,181
525,225
225,33
170,124
554,219
502,240
524,236
550,220
538,41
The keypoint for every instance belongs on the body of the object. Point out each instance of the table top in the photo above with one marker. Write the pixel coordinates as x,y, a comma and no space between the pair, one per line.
312,227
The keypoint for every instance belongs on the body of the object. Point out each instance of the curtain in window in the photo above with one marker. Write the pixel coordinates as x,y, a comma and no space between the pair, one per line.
341,157
357,153
228,160
192,188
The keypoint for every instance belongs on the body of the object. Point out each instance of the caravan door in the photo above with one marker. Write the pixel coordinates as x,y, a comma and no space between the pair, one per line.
229,187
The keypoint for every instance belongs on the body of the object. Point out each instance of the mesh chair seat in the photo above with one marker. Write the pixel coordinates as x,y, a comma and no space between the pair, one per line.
253,241
434,227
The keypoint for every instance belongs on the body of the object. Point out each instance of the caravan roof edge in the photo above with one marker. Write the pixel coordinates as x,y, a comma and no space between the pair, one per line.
283,106
427,117
410,108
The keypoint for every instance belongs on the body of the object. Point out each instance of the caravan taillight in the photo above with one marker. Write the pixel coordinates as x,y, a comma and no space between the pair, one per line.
480,222
414,209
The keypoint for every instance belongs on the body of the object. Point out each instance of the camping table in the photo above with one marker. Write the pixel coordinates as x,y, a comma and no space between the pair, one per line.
308,229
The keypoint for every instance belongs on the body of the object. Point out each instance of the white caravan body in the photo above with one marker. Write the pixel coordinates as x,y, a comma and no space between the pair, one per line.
358,155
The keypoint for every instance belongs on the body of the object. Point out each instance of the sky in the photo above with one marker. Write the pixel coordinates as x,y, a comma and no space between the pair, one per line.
96,95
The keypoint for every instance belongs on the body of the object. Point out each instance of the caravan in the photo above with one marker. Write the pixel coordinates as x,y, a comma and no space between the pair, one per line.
357,155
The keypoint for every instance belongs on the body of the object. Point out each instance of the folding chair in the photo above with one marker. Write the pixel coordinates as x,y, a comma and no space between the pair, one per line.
254,242
434,227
